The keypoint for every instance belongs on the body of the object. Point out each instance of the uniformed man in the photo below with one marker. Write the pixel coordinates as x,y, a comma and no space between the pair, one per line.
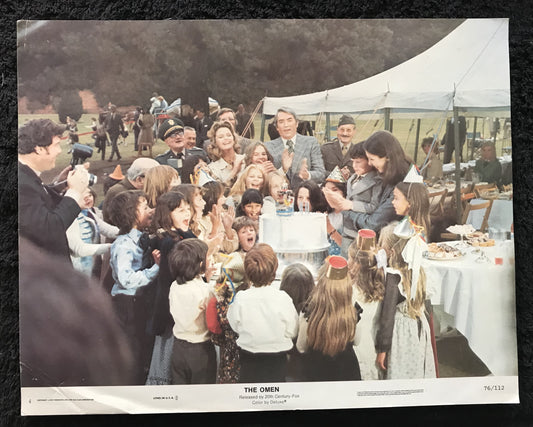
335,152
171,131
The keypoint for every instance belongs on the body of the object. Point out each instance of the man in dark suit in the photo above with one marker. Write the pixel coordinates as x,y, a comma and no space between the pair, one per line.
189,134
298,156
336,152
203,124
242,120
114,125
448,140
45,214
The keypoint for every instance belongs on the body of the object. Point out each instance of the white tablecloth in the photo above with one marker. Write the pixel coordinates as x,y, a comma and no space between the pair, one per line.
450,167
500,218
481,299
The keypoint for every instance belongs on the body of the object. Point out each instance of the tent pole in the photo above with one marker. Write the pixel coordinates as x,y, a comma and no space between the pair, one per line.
262,127
473,140
326,134
386,119
457,164
416,138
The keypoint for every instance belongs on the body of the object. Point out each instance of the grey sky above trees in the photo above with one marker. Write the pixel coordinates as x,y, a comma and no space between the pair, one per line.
231,61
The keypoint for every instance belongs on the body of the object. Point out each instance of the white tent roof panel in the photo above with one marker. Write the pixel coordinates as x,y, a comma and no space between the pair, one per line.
467,68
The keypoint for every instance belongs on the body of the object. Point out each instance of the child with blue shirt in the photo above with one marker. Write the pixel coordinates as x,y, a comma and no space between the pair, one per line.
130,212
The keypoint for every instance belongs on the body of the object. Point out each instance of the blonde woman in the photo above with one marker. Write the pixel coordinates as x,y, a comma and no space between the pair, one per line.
159,180
327,326
226,163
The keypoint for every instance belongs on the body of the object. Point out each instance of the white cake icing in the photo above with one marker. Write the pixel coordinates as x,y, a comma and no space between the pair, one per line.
299,232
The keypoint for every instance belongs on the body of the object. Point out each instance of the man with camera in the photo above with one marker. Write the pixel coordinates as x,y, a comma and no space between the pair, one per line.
45,213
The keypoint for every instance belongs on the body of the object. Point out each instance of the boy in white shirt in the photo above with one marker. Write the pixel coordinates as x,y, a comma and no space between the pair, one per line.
193,353
265,319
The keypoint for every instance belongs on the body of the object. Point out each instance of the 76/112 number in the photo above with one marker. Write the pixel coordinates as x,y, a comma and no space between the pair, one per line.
493,387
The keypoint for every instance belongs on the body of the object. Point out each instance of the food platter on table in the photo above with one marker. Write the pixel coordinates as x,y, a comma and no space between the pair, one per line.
479,239
442,252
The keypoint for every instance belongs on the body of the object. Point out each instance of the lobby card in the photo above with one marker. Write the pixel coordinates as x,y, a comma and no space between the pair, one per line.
473,298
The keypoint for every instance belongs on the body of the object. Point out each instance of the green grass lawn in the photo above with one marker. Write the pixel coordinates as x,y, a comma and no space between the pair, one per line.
98,167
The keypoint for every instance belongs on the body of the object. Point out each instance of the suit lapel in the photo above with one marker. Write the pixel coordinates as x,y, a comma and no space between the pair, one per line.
365,183
338,152
299,151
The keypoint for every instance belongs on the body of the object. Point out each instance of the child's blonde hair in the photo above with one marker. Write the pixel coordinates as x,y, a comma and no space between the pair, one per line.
240,185
331,314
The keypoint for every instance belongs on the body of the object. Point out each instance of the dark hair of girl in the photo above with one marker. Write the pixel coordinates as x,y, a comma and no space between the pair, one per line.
166,203
211,192
316,197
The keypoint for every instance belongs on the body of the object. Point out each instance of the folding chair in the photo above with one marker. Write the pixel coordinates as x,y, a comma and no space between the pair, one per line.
481,188
436,202
487,205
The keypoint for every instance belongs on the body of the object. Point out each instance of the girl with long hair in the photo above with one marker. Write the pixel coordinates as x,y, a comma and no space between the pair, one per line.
170,226
403,341
193,195
274,183
412,198
252,177
158,180
216,222
327,326
257,154
369,289
308,197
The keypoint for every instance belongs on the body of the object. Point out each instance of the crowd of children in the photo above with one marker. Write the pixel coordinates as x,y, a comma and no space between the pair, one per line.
363,317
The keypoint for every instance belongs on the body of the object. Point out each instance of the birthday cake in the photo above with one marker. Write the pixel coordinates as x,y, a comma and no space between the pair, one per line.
299,232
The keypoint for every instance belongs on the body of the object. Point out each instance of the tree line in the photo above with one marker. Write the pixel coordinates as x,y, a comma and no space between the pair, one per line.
233,61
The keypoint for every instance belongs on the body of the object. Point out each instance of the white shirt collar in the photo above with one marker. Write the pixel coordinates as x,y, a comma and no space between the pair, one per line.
293,139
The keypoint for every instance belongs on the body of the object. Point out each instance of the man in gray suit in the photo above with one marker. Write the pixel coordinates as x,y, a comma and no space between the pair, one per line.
336,152
298,156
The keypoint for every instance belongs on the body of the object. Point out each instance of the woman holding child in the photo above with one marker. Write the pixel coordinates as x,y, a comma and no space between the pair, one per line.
383,165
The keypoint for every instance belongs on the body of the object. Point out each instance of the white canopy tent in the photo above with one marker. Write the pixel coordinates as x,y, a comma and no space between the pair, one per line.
468,70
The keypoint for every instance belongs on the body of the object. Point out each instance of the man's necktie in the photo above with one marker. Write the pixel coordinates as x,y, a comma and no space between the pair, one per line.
344,149
290,146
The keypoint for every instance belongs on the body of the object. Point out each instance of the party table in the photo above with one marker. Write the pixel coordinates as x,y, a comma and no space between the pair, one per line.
480,296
